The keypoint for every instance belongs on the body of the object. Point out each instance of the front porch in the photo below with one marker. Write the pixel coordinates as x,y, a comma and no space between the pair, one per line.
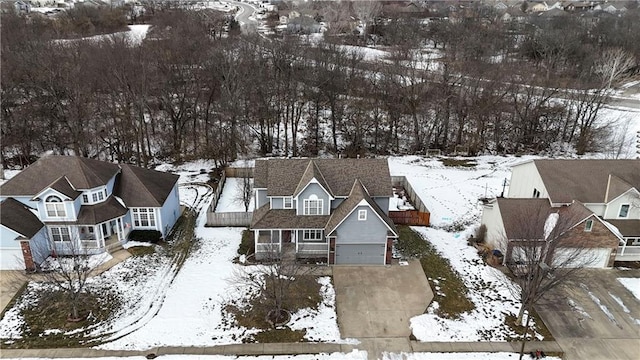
274,243
628,253
92,239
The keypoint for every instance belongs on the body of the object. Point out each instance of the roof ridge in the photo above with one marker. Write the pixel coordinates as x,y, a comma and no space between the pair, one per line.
144,186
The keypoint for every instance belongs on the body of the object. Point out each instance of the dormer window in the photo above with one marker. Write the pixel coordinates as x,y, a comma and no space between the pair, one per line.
99,196
312,206
362,215
85,198
288,203
624,211
55,207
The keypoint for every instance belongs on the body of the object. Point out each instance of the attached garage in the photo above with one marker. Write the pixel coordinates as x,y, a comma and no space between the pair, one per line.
584,258
11,259
360,254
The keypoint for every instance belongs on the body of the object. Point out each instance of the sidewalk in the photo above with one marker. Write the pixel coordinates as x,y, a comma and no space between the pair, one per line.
395,345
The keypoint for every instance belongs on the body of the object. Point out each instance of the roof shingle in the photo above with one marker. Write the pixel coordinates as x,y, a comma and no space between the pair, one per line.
17,217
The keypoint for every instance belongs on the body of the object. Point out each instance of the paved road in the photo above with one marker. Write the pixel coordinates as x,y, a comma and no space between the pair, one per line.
244,15
595,318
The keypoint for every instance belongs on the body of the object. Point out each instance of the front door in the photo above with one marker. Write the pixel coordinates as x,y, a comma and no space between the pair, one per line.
105,231
286,236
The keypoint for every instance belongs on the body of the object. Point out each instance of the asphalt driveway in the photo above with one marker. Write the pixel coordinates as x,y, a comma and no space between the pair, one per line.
378,301
596,317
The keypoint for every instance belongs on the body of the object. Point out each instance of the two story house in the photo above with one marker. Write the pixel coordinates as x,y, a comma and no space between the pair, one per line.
335,210
61,204
606,192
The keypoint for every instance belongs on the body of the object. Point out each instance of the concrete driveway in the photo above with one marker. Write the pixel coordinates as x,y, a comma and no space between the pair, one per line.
10,282
595,318
378,301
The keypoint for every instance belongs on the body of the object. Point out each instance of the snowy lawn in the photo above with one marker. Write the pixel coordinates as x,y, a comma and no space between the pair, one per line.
632,284
452,195
231,196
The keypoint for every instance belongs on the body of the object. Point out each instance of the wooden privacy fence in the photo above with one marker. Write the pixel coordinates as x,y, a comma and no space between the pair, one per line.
229,219
239,172
216,194
418,217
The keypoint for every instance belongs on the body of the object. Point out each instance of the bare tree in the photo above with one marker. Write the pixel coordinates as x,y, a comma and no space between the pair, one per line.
245,189
613,63
68,273
366,11
545,248
274,279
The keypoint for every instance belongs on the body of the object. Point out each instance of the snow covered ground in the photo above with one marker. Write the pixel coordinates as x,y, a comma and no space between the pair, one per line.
231,196
486,289
632,284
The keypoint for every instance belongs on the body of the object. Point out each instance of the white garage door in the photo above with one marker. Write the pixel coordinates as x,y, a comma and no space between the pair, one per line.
11,259
588,258
356,254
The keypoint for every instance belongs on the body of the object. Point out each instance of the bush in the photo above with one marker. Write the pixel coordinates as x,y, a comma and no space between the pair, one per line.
152,236
247,245
481,234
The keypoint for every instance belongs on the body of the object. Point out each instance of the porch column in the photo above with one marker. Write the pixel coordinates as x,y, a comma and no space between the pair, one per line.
255,241
99,235
624,246
119,229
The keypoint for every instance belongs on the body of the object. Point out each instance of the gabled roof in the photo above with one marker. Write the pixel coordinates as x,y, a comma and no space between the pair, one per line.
281,177
81,172
585,180
357,195
98,213
310,173
17,217
515,212
265,218
62,186
140,187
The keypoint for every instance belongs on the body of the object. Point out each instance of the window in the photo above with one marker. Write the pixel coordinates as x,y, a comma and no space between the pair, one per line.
105,193
94,196
288,203
60,234
313,206
55,207
98,196
624,211
144,217
85,198
362,215
312,235
588,225
536,193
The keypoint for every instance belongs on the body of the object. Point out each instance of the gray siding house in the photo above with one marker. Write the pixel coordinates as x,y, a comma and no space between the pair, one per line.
330,209
62,204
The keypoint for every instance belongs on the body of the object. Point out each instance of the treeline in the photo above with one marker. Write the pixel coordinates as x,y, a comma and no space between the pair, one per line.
190,91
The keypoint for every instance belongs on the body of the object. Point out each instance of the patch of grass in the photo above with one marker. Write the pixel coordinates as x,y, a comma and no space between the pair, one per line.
141,250
448,289
304,293
452,162
284,335
51,311
540,327
410,244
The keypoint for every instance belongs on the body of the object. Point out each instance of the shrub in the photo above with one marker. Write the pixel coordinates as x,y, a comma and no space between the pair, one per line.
481,234
247,245
152,236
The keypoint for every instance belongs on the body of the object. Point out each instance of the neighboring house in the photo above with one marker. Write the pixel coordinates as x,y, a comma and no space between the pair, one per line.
85,204
303,24
17,6
513,14
503,218
331,209
608,189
